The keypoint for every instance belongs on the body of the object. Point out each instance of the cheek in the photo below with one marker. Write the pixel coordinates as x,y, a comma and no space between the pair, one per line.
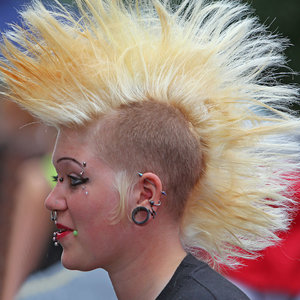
93,208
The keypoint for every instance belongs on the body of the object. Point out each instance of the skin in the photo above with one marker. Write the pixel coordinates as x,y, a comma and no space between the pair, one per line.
133,255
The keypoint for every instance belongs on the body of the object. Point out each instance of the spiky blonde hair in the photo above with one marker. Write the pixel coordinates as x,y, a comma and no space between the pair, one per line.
212,61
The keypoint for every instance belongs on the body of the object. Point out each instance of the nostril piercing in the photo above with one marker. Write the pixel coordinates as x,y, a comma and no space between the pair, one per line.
53,215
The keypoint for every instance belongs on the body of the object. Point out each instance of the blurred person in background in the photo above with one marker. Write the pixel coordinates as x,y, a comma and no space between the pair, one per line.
25,168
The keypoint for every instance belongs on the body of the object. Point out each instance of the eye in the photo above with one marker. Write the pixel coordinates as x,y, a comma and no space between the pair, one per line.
74,180
55,178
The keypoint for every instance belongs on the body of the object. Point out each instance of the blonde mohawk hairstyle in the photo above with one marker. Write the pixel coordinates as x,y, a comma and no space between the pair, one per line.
212,61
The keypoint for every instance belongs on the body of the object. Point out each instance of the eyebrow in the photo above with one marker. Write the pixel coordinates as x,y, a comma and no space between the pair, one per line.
69,158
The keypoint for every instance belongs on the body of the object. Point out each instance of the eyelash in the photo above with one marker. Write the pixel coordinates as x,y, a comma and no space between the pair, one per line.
74,181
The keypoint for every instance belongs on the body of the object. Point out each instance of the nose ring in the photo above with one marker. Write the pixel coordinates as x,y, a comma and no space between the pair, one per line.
53,215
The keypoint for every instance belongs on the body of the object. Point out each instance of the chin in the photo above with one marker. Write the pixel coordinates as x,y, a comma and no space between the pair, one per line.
72,263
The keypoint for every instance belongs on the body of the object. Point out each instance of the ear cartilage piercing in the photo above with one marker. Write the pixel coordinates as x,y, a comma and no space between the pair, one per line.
75,232
155,204
141,174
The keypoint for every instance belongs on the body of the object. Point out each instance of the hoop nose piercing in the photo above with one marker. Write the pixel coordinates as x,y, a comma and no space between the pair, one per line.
53,215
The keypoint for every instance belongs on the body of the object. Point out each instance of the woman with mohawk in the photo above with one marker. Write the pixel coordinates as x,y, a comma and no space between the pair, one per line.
165,145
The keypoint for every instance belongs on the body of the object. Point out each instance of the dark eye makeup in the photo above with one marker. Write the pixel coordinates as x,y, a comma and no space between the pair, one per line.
74,180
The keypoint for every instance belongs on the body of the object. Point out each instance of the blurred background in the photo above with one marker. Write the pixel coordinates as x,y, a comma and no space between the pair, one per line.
20,143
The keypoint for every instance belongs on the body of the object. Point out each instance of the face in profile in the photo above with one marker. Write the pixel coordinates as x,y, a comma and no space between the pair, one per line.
85,199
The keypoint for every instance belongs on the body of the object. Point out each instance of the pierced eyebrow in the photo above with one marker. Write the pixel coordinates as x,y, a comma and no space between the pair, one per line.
71,159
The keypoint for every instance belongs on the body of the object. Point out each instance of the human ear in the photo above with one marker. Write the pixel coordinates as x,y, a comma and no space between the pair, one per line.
150,190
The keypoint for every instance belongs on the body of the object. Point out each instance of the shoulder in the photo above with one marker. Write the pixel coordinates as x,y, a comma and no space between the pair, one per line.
195,280
215,284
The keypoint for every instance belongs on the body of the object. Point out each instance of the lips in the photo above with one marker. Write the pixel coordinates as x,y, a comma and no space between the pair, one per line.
62,231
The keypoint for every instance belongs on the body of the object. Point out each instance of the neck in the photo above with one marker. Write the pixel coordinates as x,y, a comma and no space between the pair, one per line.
151,265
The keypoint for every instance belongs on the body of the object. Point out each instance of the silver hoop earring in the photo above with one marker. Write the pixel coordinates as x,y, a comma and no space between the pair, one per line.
136,211
53,215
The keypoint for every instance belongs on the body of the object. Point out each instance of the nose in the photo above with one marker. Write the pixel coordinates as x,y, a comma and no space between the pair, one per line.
56,200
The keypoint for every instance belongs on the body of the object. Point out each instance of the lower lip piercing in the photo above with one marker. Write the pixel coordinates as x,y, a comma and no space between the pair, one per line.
60,234
54,239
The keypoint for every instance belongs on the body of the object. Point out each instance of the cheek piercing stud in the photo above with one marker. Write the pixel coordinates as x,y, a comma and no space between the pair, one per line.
75,232
86,192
